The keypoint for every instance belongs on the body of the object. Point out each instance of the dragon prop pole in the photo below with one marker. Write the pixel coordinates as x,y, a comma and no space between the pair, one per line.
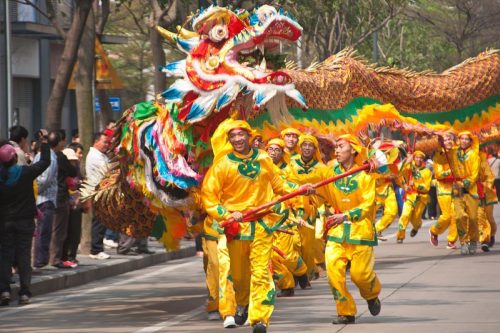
248,216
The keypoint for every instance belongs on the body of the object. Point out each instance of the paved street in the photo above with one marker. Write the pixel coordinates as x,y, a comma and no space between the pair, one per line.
425,289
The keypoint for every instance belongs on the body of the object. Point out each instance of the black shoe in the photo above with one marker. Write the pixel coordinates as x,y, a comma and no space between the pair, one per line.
259,328
303,281
492,241
413,232
5,298
147,251
316,276
241,318
286,292
485,247
344,320
374,306
24,300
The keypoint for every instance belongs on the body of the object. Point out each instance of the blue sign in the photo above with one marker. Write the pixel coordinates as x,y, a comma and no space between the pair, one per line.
116,104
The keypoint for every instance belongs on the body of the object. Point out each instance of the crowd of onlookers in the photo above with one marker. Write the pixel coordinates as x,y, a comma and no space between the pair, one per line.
40,206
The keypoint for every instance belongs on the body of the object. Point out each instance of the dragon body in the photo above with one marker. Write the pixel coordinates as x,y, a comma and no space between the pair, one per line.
162,148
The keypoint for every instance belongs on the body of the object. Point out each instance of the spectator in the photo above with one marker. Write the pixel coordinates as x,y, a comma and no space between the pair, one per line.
494,163
61,215
19,139
17,213
96,167
46,203
74,153
75,137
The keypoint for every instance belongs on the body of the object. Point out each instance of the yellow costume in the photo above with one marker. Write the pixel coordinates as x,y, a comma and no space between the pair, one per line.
444,178
301,173
285,269
353,240
466,200
237,183
386,198
488,198
218,277
416,198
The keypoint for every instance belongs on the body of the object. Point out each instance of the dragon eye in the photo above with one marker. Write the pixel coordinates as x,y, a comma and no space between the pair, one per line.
218,33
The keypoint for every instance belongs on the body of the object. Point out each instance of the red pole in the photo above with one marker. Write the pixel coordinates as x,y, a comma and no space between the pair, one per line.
255,210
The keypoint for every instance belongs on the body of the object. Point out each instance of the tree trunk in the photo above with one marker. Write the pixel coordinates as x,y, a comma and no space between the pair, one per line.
65,68
105,112
158,60
85,108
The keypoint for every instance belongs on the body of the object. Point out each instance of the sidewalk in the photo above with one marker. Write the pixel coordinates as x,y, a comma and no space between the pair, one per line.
52,279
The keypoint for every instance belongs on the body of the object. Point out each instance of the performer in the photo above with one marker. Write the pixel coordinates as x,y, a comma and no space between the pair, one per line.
385,199
487,199
351,232
305,168
240,179
466,199
445,178
221,298
292,265
416,181
291,136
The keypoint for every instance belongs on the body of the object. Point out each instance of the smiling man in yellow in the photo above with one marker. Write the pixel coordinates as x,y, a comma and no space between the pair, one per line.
445,179
241,179
351,231
466,200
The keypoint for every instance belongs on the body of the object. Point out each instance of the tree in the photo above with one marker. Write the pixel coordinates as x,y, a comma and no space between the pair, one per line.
330,26
468,25
71,40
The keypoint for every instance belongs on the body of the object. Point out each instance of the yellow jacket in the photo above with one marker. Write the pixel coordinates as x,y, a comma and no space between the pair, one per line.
383,183
442,173
466,167
239,183
485,181
355,197
421,178
302,173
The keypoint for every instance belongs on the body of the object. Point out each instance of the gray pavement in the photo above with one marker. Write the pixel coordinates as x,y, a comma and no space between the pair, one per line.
51,279
425,289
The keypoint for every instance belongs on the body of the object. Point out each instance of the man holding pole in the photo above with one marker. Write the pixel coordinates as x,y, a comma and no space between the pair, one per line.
242,178
351,233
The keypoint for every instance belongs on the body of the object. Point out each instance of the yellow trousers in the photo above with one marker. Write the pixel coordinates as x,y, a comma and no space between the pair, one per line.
390,205
486,223
252,280
227,300
308,250
292,266
446,219
211,266
466,207
362,261
412,212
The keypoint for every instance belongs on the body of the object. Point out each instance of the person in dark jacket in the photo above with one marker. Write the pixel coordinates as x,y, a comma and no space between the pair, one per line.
61,214
17,214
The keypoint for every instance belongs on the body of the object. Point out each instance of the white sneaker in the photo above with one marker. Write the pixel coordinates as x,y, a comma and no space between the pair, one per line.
229,322
213,315
110,243
100,256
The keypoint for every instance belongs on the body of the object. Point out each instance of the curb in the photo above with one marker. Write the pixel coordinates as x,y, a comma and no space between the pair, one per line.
57,279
